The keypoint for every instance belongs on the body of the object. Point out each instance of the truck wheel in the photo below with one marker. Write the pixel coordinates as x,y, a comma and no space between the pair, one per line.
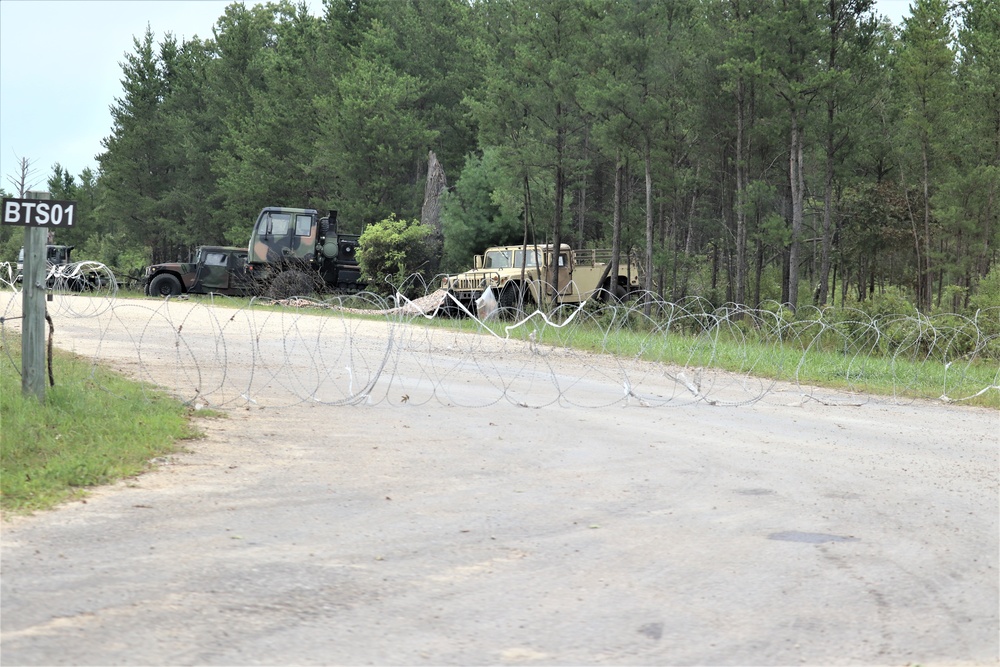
290,283
164,284
508,301
613,293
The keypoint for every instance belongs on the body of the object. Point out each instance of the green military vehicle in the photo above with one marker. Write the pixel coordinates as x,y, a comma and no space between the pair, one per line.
62,273
215,269
55,256
295,247
292,252
519,276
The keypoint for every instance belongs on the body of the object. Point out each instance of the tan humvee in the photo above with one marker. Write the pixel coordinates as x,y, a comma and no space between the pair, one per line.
519,277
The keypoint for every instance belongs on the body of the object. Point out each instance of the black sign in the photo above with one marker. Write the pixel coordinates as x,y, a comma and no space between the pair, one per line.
38,213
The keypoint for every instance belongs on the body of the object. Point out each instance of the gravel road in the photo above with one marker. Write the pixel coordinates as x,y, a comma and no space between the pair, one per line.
411,531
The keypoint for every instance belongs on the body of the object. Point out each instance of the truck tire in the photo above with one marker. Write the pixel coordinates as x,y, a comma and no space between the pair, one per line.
165,284
507,302
290,283
613,292
513,301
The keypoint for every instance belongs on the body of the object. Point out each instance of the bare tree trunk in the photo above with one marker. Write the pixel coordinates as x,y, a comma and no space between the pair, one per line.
758,273
928,273
825,250
430,212
582,211
22,180
741,185
796,177
616,225
916,237
648,162
557,213
661,241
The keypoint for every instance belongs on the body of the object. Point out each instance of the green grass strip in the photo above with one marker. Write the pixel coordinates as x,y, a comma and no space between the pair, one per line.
94,427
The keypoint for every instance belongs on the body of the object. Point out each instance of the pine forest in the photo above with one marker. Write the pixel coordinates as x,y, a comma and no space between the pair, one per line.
799,151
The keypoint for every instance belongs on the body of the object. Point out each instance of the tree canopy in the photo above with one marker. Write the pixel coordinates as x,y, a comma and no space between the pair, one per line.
805,151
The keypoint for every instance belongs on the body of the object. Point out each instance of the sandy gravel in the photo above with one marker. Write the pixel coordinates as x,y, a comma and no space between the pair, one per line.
548,521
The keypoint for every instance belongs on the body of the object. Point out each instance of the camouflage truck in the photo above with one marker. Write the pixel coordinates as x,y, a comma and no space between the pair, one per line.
295,251
519,276
292,252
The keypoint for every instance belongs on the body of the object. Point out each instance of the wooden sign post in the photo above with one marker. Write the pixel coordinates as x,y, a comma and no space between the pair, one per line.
37,216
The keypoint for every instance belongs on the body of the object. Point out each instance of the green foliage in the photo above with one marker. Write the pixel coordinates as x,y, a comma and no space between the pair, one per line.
391,253
473,214
987,294
112,429
115,252
566,104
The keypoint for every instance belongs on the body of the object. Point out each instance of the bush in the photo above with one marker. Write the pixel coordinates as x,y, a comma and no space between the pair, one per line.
987,292
391,252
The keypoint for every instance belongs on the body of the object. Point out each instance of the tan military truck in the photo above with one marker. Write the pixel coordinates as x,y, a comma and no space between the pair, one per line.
519,277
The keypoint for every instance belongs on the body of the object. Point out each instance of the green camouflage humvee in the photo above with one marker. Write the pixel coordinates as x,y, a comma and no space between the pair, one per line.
215,270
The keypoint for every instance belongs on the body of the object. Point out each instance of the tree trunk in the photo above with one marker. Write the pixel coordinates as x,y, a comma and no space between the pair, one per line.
557,213
796,177
827,242
741,184
430,212
648,162
616,225
928,274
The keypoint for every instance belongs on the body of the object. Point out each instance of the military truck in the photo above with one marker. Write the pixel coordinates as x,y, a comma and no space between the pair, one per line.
292,252
55,255
215,269
519,275
294,246
62,273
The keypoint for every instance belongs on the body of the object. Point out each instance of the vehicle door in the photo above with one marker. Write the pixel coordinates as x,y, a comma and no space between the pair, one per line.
564,272
213,272
239,278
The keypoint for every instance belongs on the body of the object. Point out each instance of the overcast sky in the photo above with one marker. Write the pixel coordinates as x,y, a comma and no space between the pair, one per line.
60,71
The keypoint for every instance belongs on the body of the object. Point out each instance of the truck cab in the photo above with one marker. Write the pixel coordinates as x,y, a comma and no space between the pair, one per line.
301,239
55,255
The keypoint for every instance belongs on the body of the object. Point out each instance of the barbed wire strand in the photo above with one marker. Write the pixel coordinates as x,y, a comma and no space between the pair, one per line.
367,349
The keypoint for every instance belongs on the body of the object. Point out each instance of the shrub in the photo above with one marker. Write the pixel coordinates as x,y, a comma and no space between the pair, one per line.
391,252
987,292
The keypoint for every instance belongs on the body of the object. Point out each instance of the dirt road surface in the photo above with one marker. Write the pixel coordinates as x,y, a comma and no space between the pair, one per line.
410,531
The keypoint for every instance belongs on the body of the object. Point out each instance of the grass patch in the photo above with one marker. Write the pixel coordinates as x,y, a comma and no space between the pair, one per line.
907,371
95,427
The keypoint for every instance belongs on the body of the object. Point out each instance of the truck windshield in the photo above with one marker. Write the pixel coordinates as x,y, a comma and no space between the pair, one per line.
497,259
278,224
532,258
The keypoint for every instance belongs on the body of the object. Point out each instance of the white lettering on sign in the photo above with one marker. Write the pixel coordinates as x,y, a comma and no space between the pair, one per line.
38,213
11,212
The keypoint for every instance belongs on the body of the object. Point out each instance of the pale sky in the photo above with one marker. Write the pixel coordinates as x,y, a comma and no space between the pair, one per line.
60,71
